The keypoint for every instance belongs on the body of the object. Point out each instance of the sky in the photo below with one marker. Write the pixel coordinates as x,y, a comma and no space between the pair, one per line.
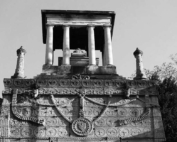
150,25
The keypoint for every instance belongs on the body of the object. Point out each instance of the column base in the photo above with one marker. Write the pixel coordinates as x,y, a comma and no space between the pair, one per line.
140,77
64,69
92,69
46,66
108,69
68,69
18,76
48,69
110,65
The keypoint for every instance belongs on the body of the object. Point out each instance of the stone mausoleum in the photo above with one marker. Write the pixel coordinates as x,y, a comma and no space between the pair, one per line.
82,99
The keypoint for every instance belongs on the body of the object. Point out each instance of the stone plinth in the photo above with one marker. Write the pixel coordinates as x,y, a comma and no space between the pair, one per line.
78,61
81,108
90,69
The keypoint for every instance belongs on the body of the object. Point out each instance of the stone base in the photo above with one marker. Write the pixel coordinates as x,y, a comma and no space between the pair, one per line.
140,77
64,69
49,69
93,69
18,76
77,61
54,70
67,69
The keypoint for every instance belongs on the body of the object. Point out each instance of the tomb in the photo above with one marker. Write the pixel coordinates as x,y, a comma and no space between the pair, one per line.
82,99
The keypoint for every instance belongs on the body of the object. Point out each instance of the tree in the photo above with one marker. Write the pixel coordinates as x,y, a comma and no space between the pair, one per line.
166,70
166,76
168,102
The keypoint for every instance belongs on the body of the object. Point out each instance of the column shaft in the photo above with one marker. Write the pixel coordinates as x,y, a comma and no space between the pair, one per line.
91,45
66,46
108,56
49,45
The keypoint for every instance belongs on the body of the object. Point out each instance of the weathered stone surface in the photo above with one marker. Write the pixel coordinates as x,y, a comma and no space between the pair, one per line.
56,114
19,71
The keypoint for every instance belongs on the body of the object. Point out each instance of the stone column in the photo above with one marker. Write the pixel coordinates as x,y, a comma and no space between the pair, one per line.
49,46
108,55
91,45
140,74
104,57
19,72
52,57
66,45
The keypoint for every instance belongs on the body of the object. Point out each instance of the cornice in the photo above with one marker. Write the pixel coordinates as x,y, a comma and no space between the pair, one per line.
76,83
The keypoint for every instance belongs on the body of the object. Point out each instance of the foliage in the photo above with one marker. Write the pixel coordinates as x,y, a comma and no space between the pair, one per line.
168,101
166,70
166,76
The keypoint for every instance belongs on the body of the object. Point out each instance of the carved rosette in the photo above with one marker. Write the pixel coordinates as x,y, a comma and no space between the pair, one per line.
82,126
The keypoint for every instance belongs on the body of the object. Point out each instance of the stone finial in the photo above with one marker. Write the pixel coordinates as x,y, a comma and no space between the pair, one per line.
137,51
20,51
19,72
140,74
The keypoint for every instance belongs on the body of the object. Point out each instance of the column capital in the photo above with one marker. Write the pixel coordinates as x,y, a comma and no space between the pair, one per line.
90,26
64,26
107,26
50,25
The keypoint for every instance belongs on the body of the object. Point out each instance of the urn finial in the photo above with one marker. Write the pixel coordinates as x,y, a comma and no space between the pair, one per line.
140,74
19,72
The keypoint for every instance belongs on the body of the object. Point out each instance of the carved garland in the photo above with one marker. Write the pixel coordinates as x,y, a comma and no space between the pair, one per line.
20,116
123,102
53,101
87,122
80,126
134,119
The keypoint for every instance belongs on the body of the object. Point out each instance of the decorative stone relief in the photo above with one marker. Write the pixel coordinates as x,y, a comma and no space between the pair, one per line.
81,126
79,110
46,83
79,76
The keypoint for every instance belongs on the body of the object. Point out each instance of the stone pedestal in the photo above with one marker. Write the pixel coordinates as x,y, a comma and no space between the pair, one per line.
81,108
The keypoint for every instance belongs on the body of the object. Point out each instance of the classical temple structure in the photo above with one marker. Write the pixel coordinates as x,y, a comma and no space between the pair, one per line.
81,99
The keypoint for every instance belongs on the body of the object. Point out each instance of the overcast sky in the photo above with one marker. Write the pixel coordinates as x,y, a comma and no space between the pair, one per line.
150,25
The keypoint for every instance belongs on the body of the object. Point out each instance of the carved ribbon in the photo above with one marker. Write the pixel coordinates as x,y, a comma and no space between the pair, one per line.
53,101
121,102
101,114
134,119
20,116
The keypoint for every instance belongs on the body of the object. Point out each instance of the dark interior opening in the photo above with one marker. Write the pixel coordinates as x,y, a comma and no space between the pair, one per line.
78,38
